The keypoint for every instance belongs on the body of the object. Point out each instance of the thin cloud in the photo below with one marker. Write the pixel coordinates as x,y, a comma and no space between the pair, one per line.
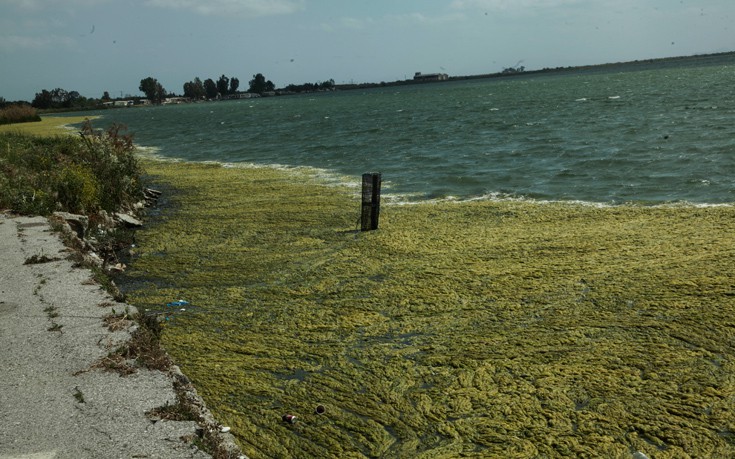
352,23
26,4
34,43
250,8
511,5
38,5
348,23
422,19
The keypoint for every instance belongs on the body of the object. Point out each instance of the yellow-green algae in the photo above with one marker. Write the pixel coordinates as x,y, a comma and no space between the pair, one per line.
479,329
48,126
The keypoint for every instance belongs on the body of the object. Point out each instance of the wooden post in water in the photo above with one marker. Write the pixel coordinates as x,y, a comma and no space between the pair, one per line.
370,201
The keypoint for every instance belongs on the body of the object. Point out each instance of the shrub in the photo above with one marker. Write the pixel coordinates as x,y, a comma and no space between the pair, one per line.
112,156
78,174
18,114
78,189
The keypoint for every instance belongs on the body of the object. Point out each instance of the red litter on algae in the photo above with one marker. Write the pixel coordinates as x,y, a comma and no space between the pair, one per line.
291,419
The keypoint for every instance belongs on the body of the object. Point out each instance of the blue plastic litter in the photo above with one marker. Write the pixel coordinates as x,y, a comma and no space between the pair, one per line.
175,304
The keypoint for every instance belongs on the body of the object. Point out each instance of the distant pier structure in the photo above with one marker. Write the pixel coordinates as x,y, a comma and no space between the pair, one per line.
422,77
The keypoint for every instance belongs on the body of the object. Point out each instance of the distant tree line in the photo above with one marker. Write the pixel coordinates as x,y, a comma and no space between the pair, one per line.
210,89
222,88
259,85
153,90
311,87
511,70
61,99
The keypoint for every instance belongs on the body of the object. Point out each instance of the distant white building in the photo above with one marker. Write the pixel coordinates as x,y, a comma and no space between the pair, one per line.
176,100
418,76
243,95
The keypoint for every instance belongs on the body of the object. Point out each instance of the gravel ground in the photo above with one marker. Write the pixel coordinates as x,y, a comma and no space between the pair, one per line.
53,404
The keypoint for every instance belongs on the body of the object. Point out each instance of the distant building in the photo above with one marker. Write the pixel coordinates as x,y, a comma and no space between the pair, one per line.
421,77
175,100
243,95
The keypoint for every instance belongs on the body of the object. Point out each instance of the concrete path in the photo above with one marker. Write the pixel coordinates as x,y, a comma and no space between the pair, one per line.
51,331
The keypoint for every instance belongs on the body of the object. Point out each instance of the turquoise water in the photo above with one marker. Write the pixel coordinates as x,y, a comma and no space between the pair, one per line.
650,136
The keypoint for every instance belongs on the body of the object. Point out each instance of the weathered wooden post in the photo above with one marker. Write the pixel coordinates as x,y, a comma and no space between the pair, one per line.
370,201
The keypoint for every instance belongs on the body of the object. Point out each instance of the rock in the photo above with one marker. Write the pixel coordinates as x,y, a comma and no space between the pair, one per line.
128,220
119,267
152,193
78,223
93,259
151,196
108,221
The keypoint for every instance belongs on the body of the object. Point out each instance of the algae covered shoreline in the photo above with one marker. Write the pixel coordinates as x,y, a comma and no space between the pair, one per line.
458,329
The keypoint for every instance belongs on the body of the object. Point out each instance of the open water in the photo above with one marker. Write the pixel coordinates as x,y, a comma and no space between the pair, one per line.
653,135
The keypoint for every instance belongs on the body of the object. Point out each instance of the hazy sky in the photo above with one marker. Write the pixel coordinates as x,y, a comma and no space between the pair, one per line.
92,46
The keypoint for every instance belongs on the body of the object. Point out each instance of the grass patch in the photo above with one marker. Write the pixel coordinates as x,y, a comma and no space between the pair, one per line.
39,175
477,329
78,395
49,126
51,311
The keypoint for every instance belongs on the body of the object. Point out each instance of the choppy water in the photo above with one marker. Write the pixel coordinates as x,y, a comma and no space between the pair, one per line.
651,136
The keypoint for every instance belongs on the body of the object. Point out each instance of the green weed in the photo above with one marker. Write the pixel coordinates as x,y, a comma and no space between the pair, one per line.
94,171
78,395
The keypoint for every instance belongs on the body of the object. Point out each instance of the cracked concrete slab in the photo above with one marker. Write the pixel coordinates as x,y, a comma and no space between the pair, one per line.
53,404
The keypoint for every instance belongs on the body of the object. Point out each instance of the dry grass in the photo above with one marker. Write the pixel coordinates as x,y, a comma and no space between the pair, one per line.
18,113
142,350
117,322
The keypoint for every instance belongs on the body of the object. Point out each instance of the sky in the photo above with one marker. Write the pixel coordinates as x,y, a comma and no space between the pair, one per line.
93,46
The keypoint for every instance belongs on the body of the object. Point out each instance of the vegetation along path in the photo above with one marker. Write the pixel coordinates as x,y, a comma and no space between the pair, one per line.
485,329
83,374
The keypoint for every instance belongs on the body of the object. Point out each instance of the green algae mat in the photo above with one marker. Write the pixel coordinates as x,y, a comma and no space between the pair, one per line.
479,329
48,126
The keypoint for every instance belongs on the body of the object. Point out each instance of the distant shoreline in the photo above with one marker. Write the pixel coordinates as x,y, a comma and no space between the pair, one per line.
698,59
676,61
